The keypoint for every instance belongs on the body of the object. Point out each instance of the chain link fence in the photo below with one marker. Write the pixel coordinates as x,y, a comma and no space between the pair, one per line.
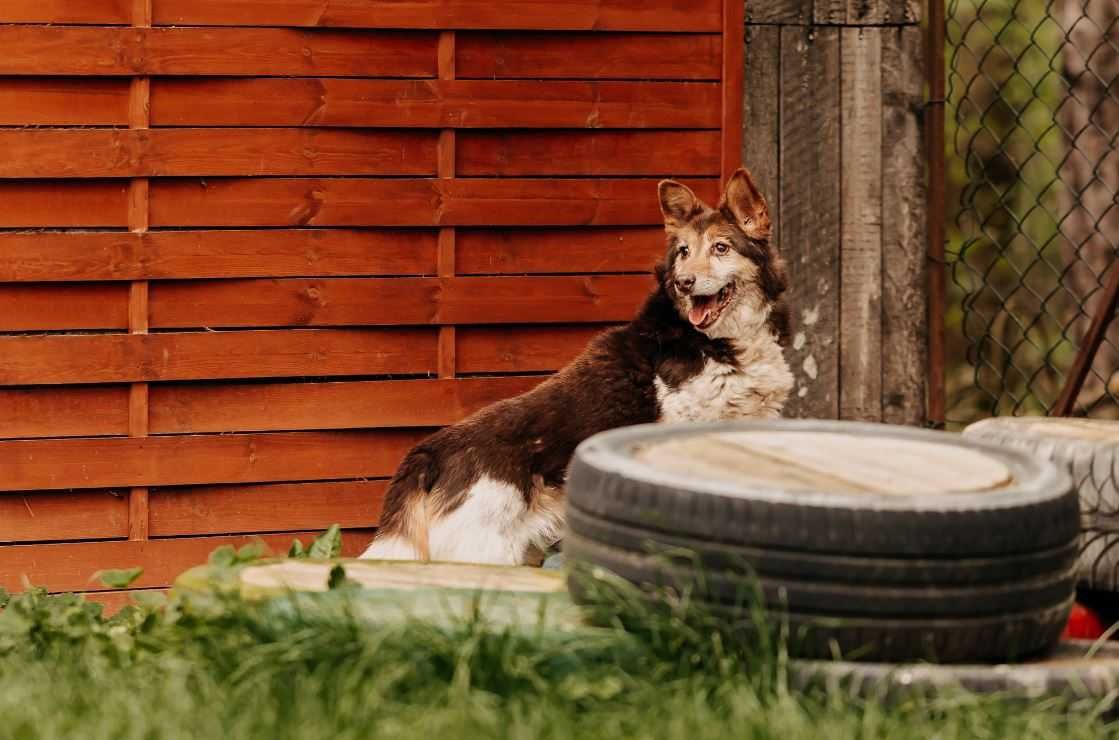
1032,172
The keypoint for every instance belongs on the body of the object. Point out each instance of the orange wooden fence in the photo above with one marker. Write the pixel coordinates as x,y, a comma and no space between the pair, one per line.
251,250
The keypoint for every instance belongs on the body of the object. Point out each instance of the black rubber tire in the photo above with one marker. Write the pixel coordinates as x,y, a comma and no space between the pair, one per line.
1038,511
1076,669
988,639
1093,464
823,597
781,563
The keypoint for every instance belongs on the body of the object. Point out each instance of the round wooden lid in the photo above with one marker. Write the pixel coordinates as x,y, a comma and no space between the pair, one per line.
828,462
303,575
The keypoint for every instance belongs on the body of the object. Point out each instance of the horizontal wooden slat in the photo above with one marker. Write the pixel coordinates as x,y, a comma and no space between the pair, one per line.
280,507
37,307
113,601
64,11
41,101
597,15
76,255
43,516
63,412
433,103
178,409
643,56
62,153
527,251
45,203
47,50
516,154
368,202
383,301
70,567
519,349
124,358
201,459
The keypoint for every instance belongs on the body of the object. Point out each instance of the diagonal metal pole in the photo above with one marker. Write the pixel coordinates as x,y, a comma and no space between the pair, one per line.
1105,314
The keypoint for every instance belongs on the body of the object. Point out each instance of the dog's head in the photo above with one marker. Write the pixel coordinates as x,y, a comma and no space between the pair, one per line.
720,269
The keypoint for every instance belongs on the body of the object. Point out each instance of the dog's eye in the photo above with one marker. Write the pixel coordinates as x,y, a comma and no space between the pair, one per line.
721,248
683,251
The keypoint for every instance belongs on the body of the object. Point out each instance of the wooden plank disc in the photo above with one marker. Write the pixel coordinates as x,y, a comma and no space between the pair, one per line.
1039,427
304,575
829,462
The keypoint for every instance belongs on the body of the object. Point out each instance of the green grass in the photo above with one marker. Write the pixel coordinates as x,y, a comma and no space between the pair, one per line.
309,668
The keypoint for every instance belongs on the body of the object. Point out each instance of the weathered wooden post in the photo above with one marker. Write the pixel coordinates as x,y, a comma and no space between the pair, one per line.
832,129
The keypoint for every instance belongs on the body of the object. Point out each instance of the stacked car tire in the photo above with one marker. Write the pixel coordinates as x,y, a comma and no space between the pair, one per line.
1089,451
879,574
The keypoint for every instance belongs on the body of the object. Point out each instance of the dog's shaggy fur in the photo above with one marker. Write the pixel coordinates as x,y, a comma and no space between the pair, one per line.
706,345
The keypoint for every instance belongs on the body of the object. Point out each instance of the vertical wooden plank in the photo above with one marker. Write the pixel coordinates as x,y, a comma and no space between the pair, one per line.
445,254
860,319
761,140
831,12
139,117
904,220
733,51
779,12
810,213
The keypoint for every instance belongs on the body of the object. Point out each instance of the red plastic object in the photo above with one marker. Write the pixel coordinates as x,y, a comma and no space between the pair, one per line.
1083,624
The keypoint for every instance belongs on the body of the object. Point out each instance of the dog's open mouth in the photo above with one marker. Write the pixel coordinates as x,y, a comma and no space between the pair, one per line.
706,309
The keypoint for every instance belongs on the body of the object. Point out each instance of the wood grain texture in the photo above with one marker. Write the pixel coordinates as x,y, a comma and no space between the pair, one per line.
62,50
730,116
860,319
279,507
65,11
396,301
122,358
761,116
37,307
904,219
573,250
596,15
76,256
63,412
433,103
63,101
520,349
37,516
70,567
780,12
33,203
179,409
482,55
810,214
405,202
104,153
575,153
201,459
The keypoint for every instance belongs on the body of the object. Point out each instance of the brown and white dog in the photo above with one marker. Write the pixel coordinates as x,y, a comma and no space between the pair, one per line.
705,346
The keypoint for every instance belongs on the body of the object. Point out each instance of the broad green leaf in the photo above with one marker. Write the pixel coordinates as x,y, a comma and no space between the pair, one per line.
223,557
252,551
297,550
327,545
118,578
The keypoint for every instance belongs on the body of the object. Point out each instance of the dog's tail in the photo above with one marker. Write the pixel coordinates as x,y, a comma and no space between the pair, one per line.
406,515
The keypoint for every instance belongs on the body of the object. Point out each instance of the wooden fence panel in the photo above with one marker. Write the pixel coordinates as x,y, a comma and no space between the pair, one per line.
252,251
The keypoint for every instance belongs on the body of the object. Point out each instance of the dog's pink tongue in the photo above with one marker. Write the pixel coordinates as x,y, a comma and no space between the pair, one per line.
701,307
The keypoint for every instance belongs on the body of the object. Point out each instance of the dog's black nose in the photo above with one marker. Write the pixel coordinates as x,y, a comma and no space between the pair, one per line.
685,283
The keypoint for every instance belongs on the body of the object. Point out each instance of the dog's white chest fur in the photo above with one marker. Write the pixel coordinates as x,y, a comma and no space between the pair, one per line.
756,389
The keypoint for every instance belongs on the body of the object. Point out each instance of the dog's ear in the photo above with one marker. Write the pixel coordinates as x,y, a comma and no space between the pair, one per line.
678,202
747,204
